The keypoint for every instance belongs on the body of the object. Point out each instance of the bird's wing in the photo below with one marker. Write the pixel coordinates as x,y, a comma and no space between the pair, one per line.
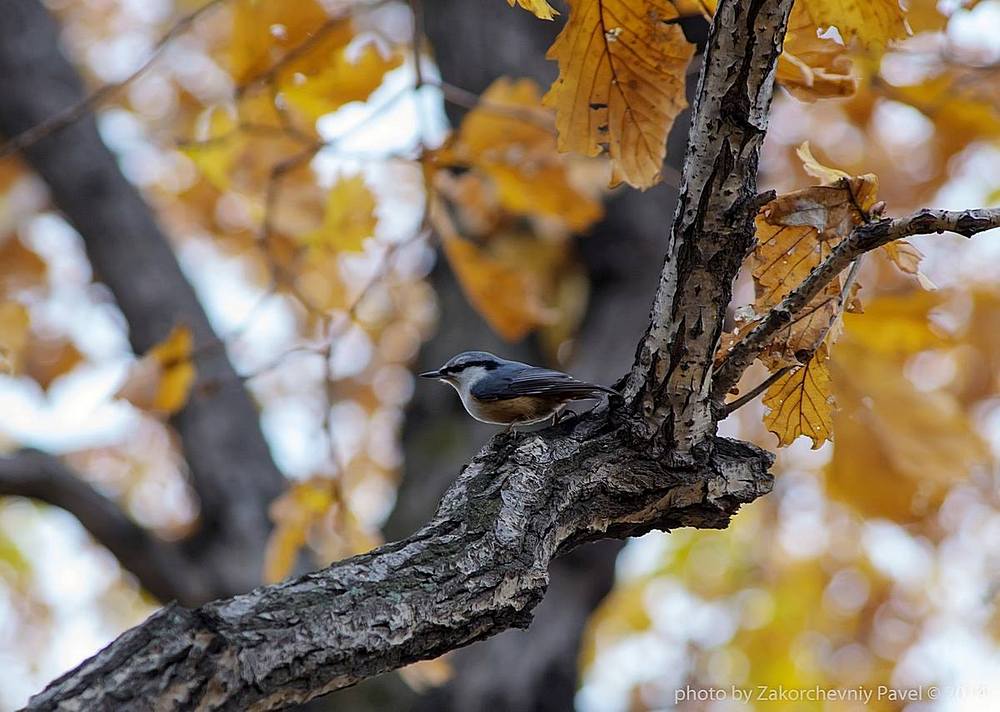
534,381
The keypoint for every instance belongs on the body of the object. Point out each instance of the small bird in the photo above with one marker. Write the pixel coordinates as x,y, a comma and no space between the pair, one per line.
495,390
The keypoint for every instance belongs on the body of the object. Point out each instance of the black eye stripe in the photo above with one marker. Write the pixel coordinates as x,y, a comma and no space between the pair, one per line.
488,365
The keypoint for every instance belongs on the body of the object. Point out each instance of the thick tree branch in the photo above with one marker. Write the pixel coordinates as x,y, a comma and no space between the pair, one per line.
229,460
862,239
479,567
712,232
160,566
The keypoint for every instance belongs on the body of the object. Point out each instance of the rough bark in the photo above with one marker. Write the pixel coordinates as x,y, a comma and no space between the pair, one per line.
229,460
479,567
712,232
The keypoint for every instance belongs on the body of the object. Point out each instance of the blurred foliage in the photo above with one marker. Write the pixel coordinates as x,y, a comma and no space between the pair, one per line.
300,142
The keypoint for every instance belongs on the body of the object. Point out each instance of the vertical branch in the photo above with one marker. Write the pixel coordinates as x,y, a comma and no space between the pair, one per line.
670,383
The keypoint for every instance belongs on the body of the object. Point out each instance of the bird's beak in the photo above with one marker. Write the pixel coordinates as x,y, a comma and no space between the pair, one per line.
430,374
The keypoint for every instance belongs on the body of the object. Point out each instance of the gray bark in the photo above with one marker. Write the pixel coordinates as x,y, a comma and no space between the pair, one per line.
712,232
229,461
479,567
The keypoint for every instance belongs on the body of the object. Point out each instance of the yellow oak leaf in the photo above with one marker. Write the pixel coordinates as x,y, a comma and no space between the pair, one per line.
494,280
294,513
812,67
916,443
350,217
217,146
161,380
265,30
873,22
343,78
801,403
621,83
14,325
509,136
899,325
795,232
539,8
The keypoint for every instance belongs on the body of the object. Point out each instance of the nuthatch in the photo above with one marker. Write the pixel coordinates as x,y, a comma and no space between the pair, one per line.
495,390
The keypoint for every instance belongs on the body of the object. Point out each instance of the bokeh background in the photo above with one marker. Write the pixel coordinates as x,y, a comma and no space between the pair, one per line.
876,561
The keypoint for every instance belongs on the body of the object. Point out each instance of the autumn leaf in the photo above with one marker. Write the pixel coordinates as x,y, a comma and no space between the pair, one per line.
539,8
801,403
494,281
812,67
218,144
795,232
14,325
350,217
510,137
294,513
48,358
622,67
339,80
265,30
161,380
874,23
915,442
22,268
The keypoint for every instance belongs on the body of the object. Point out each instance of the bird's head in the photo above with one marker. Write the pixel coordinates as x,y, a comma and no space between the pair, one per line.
466,366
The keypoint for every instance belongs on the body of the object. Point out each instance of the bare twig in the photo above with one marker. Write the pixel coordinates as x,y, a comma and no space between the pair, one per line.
757,390
76,111
862,239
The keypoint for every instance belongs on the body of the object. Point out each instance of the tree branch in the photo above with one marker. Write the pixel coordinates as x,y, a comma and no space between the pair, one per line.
712,232
480,566
862,239
160,566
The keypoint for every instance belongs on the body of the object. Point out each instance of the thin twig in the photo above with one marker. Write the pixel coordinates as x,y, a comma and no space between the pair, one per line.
757,390
76,111
862,239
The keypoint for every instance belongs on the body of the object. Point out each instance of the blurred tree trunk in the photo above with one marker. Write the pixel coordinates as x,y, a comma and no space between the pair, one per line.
229,461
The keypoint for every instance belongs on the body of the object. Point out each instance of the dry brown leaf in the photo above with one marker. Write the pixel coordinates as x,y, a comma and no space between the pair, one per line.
161,381
801,403
510,137
621,83
796,232
873,22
